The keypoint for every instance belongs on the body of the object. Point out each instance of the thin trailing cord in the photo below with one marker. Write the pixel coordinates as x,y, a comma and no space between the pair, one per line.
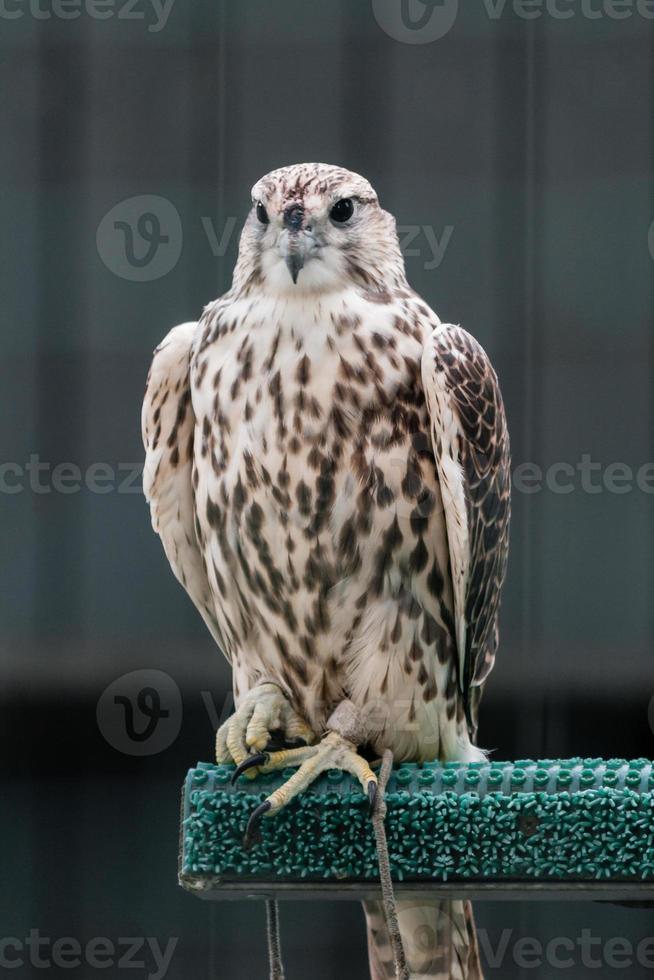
388,894
274,941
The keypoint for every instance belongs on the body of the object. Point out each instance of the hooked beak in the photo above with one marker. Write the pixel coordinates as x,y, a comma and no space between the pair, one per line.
293,249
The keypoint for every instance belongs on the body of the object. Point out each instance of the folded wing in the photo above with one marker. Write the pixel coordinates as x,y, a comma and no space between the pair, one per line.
471,447
168,428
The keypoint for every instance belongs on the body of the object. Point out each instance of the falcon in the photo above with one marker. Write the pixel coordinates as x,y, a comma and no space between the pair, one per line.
327,466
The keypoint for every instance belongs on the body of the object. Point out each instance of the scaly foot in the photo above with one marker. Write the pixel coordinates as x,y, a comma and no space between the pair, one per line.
333,752
263,720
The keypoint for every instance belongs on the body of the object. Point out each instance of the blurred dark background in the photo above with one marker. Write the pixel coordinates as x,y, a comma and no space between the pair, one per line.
516,155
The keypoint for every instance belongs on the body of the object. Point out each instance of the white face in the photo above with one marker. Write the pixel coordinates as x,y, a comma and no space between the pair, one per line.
311,228
304,245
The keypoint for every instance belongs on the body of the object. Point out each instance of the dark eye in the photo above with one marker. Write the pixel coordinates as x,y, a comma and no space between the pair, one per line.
342,210
262,214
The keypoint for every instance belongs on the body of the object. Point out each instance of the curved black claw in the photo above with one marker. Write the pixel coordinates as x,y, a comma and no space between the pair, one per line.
252,835
295,743
372,796
278,742
252,760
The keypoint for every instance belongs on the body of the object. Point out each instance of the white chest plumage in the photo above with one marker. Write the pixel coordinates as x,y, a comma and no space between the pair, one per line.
318,504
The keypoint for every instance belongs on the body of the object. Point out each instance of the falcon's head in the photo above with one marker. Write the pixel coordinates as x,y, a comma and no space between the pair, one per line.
312,228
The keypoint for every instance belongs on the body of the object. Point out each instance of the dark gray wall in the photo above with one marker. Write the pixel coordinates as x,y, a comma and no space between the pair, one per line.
528,143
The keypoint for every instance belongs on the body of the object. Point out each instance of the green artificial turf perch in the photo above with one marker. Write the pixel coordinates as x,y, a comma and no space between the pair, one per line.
555,820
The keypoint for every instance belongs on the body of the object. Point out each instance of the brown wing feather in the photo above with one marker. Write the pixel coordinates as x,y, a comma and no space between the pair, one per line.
469,426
